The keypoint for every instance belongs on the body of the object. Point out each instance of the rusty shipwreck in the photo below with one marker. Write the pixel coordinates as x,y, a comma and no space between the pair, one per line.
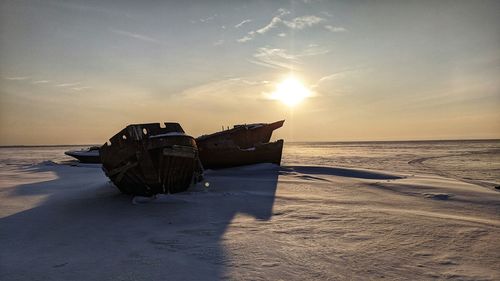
242,145
147,159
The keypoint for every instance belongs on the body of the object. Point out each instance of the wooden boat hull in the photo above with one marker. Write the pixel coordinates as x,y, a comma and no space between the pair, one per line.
234,156
243,136
242,145
146,159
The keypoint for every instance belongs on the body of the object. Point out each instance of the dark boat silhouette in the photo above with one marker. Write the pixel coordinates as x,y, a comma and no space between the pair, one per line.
89,155
242,145
146,159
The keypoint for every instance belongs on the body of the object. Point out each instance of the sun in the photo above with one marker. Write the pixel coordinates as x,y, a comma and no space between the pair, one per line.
290,92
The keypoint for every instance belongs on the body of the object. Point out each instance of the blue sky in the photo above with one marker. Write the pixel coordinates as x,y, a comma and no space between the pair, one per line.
78,71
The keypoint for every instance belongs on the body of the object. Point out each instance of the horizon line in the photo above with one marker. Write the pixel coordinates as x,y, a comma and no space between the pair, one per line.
331,141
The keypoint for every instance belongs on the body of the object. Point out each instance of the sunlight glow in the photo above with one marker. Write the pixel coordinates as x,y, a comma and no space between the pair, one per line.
290,92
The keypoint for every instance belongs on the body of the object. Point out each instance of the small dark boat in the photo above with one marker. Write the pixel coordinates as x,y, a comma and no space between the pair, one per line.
89,155
146,159
242,145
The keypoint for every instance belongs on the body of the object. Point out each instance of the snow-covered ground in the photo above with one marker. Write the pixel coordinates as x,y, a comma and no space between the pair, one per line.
262,222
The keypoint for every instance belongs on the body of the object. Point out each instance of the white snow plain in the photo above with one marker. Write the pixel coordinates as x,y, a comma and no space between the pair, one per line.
261,222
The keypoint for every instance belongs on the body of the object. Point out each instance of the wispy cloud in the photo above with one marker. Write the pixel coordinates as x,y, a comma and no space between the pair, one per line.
242,23
281,12
244,39
274,22
339,75
80,88
16,78
313,50
68,84
274,58
301,22
249,82
75,86
135,35
40,82
329,78
281,58
335,28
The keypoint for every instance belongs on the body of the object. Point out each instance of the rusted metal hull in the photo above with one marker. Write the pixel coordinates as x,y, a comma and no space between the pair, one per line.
243,136
145,159
234,156
242,145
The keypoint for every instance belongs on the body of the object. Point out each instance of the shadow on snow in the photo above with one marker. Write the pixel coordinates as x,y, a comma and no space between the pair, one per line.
86,229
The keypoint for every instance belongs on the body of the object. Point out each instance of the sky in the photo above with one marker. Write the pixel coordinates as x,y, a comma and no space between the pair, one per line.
77,72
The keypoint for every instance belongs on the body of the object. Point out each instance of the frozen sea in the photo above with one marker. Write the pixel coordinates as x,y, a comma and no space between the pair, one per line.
426,210
475,161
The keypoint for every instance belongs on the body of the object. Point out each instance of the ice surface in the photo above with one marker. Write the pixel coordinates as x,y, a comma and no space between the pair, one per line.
473,161
307,220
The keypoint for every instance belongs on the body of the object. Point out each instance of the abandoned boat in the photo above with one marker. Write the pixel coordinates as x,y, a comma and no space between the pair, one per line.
146,159
242,145
88,155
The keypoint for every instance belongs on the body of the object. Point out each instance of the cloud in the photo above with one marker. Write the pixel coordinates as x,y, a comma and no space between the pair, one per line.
68,84
274,22
330,77
296,23
249,82
80,88
244,39
76,86
313,50
274,58
16,78
280,58
134,35
343,74
303,22
242,23
281,12
335,28
40,82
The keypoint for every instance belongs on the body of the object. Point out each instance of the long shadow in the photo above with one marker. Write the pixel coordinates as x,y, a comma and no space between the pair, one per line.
86,230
